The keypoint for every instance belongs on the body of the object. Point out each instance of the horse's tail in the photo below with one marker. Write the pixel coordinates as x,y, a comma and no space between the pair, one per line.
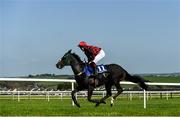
137,79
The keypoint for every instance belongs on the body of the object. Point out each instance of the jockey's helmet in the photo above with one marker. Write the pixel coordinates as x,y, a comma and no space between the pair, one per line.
82,43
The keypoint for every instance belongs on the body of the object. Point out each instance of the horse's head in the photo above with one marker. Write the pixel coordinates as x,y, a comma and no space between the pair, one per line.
65,60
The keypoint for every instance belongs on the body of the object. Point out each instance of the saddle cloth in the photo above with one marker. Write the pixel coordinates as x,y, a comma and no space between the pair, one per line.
88,70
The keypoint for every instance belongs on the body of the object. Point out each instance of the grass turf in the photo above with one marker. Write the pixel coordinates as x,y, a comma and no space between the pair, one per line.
122,107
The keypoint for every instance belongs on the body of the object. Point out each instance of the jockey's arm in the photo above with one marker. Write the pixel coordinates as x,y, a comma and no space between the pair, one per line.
88,54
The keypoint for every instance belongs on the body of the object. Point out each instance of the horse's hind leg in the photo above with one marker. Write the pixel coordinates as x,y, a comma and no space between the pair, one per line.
90,92
119,91
108,94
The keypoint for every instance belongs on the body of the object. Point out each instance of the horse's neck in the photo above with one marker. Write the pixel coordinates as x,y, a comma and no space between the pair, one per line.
77,68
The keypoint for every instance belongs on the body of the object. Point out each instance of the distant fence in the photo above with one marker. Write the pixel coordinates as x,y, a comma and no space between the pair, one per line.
73,81
47,95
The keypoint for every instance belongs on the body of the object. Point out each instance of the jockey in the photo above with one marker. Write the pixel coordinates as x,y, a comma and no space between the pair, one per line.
93,53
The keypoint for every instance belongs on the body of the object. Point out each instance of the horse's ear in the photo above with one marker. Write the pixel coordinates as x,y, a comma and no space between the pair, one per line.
69,51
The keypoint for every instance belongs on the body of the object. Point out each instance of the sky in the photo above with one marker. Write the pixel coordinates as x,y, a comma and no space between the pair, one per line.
142,36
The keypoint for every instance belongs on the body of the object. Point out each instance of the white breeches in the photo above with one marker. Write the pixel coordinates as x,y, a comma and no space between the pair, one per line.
99,56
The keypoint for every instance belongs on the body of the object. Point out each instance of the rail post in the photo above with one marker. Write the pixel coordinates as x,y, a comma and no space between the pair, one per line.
48,95
61,96
144,91
18,96
167,96
72,87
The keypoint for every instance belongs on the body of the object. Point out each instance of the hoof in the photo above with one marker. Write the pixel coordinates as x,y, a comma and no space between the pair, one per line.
111,105
103,102
97,104
78,105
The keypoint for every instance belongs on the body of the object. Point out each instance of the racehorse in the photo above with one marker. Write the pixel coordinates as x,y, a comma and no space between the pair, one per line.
115,74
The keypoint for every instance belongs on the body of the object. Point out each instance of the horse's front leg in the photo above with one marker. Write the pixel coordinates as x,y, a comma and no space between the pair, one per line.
74,97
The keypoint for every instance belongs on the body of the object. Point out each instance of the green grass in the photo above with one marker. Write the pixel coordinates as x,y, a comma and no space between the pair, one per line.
122,107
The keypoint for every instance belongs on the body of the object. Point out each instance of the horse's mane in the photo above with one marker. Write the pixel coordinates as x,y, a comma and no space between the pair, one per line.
77,57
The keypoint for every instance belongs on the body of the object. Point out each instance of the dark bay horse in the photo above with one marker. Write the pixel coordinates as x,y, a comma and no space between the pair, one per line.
115,74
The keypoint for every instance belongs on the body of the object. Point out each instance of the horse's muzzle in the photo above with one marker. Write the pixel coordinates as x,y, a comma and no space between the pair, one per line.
58,66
